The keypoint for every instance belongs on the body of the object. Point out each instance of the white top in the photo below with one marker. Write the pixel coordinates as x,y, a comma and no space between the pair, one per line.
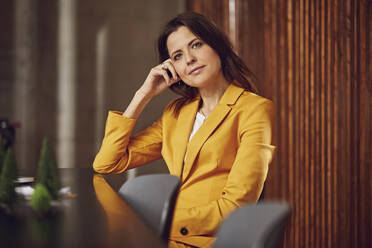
199,120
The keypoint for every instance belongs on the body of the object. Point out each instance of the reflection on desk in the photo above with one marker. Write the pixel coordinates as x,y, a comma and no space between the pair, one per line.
97,217
118,212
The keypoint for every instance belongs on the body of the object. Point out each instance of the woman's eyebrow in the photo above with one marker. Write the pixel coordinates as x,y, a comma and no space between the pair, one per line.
179,50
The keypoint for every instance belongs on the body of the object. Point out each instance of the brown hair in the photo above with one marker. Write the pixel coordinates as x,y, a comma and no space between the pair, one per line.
233,67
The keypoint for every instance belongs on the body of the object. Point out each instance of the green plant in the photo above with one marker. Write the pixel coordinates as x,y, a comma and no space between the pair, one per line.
2,154
47,170
8,195
40,199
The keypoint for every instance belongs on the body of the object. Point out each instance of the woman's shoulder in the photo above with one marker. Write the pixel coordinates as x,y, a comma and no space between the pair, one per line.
251,107
253,99
250,104
249,100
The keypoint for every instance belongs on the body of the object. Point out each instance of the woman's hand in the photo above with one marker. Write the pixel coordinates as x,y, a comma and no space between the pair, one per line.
156,82
158,79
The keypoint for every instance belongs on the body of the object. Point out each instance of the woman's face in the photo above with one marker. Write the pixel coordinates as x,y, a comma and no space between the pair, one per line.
196,63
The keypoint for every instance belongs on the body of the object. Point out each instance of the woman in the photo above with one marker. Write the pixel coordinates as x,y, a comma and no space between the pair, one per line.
216,137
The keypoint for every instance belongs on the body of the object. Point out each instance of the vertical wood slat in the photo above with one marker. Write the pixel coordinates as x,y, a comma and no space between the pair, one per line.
324,140
354,57
297,132
290,105
318,71
311,107
301,117
326,17
335,126
269,50
365,52
305,98
250,15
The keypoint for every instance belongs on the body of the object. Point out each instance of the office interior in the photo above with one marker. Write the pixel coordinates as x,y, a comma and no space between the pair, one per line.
64,64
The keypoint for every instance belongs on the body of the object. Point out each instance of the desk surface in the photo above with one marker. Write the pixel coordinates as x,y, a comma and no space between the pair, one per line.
96,217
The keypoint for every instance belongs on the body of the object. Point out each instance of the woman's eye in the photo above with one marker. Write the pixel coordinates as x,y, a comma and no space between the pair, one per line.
196,44
177,57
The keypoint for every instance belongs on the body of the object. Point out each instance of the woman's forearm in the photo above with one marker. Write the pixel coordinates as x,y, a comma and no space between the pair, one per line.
136,106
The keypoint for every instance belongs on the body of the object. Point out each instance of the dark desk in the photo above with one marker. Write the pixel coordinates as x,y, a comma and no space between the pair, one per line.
96,217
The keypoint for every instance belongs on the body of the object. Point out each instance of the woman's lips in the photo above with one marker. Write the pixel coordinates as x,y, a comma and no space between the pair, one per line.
196,70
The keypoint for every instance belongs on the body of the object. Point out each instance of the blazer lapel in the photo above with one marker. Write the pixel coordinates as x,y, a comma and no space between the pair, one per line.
218,114
183,129
203,133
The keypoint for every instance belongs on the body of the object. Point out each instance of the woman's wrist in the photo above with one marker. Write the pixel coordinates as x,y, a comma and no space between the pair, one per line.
136,106
143,95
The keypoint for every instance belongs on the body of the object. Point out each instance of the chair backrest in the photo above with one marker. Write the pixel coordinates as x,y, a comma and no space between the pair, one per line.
259,225
153,197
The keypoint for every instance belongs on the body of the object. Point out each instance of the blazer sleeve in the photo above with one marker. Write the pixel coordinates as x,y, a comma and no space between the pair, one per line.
120,152
245,180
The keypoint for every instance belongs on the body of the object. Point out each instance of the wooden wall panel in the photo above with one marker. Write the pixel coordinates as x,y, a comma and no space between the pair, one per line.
324,118
215,10
315,64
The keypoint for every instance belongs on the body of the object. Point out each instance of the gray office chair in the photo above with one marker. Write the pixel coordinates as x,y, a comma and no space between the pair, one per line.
259,225
153,197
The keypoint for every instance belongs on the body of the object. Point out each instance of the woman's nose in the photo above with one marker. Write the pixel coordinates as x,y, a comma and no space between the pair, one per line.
190,58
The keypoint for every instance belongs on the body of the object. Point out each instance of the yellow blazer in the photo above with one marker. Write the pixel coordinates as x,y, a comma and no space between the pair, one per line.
226,161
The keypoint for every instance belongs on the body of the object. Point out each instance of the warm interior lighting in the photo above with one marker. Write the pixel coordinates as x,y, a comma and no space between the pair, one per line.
101,61
66,91
232,21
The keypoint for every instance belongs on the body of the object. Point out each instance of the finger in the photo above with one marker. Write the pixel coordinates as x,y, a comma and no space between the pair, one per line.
166,77
159,72
168,65
164,64
173,71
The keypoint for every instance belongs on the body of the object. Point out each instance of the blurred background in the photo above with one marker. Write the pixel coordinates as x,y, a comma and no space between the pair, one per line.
64,64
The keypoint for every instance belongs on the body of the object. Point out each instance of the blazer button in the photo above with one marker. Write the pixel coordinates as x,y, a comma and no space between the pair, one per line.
184,231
